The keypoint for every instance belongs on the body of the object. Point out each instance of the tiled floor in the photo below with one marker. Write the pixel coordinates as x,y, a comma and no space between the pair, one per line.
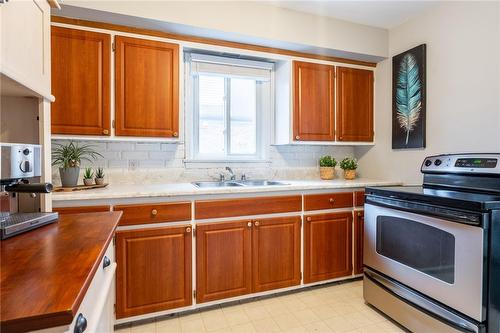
332,309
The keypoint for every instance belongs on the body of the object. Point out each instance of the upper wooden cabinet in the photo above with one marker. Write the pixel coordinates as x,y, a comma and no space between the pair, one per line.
154,270
146,88
80,82
313,106
354,121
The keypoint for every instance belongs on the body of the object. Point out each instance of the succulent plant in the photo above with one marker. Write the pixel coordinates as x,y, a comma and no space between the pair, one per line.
71,155
99,173
88,173
349,163
327,161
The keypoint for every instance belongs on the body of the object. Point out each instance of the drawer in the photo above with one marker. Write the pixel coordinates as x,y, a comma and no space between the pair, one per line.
81,209
359,198
154,213
247,206
328,201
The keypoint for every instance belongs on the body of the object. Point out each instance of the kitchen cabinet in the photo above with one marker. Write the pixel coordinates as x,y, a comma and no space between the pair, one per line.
327,246
154,270
328,201
154,213
146,88
81,82
241,257
25,48
354,119
313,101
81,209
359,223
276,253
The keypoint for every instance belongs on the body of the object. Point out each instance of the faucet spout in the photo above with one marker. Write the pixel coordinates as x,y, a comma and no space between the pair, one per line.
233,176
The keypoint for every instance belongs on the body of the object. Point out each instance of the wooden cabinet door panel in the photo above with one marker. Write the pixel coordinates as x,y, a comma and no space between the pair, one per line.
146,88
354,120
276,253
154,270
359,224
327,246
81,209
80,82
313,107
223,260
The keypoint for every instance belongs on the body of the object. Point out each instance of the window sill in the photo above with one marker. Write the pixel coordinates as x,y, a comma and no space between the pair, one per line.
203,164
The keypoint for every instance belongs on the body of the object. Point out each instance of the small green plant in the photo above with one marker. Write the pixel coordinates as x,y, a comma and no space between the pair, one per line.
71,155
327,161
349,163
88,173
99,173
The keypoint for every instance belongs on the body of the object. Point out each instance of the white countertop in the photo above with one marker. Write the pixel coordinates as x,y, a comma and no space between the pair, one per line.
120,191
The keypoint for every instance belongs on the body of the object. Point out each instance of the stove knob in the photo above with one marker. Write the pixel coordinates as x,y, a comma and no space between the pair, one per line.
26,151
437,162
428,163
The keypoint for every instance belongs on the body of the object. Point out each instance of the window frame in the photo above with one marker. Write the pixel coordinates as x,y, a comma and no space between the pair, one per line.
264,108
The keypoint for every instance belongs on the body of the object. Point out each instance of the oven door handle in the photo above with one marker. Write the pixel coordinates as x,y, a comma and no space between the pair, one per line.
470,218
428,306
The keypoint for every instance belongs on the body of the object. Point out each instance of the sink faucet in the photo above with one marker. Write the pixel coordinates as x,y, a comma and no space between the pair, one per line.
233,176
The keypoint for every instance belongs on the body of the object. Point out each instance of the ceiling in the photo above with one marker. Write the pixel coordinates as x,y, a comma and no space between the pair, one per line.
382,14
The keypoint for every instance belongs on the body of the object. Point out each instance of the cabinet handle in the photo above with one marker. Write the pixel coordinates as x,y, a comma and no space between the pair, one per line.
80,324
105,132
175,134
188,230
297,137
359,214
332,200
249,224
154,212
106,262
308,219
257,223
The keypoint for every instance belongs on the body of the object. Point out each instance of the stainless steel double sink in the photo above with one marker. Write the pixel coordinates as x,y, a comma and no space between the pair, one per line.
236,183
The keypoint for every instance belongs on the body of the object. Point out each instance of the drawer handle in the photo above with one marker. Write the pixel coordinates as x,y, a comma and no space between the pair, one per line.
188,230
81,324
308,219
249,224
332,200
154,212
106,262
256,223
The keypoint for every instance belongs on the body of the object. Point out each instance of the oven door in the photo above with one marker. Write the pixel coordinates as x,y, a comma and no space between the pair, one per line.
435,256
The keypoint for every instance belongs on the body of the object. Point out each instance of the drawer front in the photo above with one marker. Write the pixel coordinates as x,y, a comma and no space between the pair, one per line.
247,206
328,201
154,213
81,209
359,198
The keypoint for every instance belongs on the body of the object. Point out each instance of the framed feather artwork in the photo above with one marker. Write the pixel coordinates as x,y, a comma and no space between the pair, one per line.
408,99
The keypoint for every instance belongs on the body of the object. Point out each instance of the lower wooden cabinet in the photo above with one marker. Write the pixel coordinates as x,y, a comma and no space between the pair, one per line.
327,246
154,270
241,257
359,224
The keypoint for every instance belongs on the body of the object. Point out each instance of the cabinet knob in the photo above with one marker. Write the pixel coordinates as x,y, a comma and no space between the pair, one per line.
106,262
359,214
175,134
341,138
105,132
154,212
249,224
332,200
297,137
308,219
80,324
257,223
188,230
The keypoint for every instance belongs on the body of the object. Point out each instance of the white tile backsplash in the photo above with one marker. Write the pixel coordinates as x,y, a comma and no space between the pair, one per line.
164,162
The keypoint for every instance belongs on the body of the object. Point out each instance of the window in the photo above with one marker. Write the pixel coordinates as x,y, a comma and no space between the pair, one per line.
230,104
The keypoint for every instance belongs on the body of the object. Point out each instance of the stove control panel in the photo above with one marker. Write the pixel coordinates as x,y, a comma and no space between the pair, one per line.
462,163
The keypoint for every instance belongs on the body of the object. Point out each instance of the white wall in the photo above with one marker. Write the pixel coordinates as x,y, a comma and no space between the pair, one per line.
463,89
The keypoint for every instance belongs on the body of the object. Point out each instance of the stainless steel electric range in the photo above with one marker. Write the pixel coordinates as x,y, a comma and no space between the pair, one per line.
432,252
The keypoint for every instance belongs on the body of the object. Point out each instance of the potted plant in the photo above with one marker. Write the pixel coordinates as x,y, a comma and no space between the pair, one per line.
349,165
327,167
68,158
99,176
88,176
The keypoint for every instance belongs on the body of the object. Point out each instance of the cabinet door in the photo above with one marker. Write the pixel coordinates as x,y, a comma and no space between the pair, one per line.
276,253
80,82
327,246
146,88
154,270
223,260
313,107
359,222
354,104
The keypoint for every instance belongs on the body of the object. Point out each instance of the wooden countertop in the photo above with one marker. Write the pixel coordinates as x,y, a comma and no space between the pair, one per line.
45,273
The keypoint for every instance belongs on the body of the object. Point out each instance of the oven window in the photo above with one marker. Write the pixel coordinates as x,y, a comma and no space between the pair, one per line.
417,245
